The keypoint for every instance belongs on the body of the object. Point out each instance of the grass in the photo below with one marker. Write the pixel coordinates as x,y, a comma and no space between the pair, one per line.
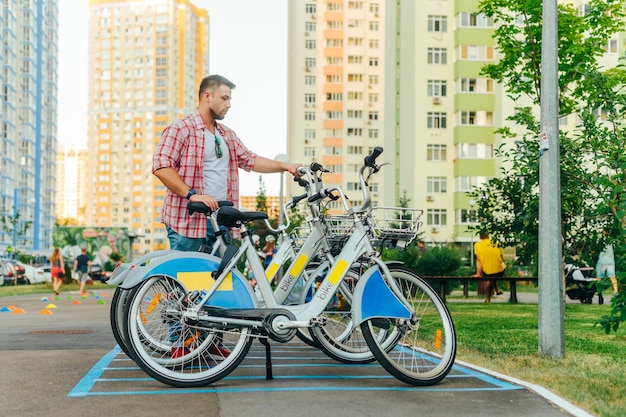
504,338
12,290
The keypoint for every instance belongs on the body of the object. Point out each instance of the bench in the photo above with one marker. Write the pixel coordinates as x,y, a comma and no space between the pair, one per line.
465,280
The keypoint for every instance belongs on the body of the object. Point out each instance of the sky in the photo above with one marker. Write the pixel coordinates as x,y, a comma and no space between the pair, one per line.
249,48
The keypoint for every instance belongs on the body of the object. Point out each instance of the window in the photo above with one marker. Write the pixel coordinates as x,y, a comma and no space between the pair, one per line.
310,8
437,56
355,150
309,116
466,216
332,150
334,115
475,118
437,88
611,46
373,43
309,63
352,59
309,44
309,134
436,185
355,114
355,78
309,80
333,79
374,26
310,27
354,131
354,186
465,184
372,133
372,98
437,23
355,95
373,62
437,120
436,217
474,151
476,52
373,115
373,79
468,118
476,85
334,97
309,151
436,152
469,20
309,98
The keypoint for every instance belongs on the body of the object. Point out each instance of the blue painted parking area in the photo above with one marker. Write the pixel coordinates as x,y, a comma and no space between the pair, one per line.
296,367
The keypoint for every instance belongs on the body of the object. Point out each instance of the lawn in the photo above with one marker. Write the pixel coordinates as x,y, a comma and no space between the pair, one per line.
504,338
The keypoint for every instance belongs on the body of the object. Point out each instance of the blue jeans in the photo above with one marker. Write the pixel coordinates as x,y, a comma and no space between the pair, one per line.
184,243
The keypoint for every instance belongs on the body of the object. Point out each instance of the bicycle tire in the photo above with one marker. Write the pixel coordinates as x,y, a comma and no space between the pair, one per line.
425,349
152,325
116,316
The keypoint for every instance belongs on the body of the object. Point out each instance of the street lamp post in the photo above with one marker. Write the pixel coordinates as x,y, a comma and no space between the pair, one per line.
471,219
281,158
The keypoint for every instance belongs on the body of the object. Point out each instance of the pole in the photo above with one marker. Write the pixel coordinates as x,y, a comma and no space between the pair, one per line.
551,302
16,199
471,203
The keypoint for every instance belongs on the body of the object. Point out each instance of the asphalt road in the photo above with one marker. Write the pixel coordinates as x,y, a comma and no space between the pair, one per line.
58,358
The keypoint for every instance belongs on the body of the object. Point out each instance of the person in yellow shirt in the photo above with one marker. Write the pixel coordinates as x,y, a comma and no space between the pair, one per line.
489,263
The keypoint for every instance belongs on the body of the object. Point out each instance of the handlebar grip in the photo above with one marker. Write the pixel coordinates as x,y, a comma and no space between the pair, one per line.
301,181
317,196
370,160
295,200
300,171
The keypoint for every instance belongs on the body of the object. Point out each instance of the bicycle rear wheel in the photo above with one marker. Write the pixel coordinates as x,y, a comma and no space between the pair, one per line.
169,349
423,348
116,316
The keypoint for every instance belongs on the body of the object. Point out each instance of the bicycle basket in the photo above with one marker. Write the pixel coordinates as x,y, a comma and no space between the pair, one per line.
339,229
395,226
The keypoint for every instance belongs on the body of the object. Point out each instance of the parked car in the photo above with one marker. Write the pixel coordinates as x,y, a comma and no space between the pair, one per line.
42,274
13,273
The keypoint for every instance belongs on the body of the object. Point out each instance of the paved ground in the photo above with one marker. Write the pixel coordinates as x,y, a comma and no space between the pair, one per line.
67,363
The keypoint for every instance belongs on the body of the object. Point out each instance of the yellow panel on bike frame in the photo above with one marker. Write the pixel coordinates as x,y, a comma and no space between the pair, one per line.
337,271
203,281
299,265
271,270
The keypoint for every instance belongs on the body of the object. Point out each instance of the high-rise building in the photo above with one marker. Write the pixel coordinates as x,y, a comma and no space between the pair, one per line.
146,60
71,180
28,114
403,75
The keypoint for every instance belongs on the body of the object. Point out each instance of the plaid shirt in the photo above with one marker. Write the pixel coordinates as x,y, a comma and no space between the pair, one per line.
182,148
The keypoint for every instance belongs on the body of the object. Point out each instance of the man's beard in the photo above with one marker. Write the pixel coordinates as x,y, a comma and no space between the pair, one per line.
216,116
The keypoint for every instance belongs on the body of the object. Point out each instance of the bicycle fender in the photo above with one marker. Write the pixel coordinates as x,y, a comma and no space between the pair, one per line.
374,299
119,274
194,270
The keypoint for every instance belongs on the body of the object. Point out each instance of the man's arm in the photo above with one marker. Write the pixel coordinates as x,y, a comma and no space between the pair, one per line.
170,178
266,166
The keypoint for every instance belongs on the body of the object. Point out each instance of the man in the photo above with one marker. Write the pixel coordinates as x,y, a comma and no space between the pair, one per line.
82,266
198,159
489,262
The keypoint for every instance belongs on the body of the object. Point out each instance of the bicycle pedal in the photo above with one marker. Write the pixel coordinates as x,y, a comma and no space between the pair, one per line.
317,321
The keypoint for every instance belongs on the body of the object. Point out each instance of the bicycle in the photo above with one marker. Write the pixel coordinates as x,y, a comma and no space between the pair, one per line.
421,351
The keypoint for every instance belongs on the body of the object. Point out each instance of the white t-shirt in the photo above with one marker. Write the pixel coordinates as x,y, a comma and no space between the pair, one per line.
215,169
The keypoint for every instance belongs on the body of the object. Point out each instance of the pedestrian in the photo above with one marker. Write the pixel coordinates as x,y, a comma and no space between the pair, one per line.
605,267
82,267
57,270
269,249
489,263
197,159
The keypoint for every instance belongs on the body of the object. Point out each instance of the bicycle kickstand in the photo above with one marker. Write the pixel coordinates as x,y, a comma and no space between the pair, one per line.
268,358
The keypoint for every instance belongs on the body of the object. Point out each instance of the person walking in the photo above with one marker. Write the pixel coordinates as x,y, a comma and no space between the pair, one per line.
57,270
197,159
605,267
82,267
269,249
489,263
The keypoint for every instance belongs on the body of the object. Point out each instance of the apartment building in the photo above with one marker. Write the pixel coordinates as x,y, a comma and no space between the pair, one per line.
146,59
28,114
403,75
71,184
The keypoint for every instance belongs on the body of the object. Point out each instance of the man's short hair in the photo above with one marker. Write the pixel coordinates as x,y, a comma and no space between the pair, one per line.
212,82
484,234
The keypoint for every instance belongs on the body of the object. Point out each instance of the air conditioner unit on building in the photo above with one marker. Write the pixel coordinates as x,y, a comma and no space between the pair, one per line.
430,198
436,100
313,17
434,230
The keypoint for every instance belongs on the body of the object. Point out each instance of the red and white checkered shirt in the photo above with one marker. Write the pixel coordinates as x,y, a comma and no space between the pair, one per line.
182,148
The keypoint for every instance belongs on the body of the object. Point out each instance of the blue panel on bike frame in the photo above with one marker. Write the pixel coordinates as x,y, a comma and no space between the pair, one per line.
379,301
238,297
173,267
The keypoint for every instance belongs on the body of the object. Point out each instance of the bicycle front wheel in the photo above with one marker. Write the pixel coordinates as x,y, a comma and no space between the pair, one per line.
423,348
171,350
116,316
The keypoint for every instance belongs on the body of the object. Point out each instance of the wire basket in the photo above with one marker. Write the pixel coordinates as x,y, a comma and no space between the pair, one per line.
395,226
338,225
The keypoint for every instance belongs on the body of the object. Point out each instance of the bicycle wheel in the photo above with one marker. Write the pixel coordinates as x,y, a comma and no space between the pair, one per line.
423,348
116,316
338,338
171,350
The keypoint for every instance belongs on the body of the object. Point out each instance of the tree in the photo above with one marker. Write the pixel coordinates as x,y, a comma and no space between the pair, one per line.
13,226
592,155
